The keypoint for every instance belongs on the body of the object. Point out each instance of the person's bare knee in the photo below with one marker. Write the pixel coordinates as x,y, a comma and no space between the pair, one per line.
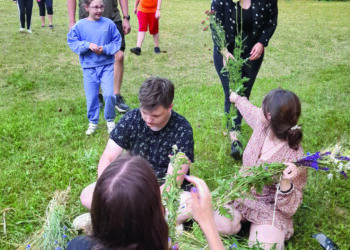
86,195
119,57
268,236
226,225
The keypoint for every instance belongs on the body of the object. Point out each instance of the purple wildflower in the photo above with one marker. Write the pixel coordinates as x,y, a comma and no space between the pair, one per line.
28,246
343,158
64,236
56,242
57,248
65,228
309,161
233,245
345,175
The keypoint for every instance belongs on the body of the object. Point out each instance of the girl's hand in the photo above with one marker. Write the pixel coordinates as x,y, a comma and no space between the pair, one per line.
290,171
233,96
256,52
93,47
99,50
201,201
135,11
288,174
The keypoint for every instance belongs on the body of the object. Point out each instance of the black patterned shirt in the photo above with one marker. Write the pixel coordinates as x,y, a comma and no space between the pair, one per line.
133,134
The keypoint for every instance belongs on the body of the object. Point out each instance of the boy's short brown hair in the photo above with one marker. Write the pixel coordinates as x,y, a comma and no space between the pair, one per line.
156,91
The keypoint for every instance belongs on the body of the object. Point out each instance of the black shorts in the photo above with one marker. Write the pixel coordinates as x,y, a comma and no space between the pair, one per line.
120,29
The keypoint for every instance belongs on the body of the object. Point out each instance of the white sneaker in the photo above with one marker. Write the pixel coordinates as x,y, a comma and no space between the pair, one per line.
22,30
91,129
29,31
83,222
110,126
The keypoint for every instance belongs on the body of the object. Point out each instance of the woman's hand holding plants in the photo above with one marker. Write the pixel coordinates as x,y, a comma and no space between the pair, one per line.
203,213
226,55
233,96
288,174
201,201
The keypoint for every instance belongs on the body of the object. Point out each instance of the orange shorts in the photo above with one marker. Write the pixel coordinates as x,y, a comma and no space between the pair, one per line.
148,20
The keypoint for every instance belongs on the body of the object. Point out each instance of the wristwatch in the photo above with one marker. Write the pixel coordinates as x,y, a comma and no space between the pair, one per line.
126,17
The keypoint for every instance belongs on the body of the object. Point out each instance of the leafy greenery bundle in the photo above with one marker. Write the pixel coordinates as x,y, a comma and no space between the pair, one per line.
54,234
233,66
240,185
171,192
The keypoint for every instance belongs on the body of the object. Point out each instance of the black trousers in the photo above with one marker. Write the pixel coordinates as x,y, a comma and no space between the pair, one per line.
49,8
25,11
250,71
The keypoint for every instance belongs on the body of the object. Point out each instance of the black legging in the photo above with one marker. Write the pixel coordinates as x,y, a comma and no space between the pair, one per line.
25,9
251,71
49,8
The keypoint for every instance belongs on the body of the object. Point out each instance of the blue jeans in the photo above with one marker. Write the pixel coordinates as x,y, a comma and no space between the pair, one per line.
93,79
250,70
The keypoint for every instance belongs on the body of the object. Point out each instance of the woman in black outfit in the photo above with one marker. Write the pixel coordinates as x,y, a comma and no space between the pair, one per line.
25,12
259,19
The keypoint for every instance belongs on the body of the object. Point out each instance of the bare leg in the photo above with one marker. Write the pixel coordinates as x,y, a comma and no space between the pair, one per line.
49,17
228,226
42,18
156,40
140,38
86,195
267,235
185,207
118,71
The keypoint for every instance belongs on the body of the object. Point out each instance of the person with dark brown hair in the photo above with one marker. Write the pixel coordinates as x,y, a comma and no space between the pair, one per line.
276,138
127,212
151,132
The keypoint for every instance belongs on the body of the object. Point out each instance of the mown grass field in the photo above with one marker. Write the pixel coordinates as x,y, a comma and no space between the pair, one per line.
43,146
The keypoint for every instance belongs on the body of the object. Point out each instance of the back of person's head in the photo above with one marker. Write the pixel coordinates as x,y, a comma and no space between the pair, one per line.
284,108
156,91
126,209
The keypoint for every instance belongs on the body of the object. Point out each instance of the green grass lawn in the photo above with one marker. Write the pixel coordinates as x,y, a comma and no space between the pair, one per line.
43,146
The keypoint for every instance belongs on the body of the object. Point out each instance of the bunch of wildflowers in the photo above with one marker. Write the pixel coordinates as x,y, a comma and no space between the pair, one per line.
331,163
240,185
233,67
171,192
55,234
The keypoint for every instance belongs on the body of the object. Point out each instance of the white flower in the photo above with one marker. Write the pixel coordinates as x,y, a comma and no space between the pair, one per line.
340,166
336,150
330,176
347,166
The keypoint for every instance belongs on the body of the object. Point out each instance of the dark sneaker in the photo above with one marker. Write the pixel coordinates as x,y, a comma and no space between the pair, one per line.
156,50
120,104
50,26
136,51
100,101
236,150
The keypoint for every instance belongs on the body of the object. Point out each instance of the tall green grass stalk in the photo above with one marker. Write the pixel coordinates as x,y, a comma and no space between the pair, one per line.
171,192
